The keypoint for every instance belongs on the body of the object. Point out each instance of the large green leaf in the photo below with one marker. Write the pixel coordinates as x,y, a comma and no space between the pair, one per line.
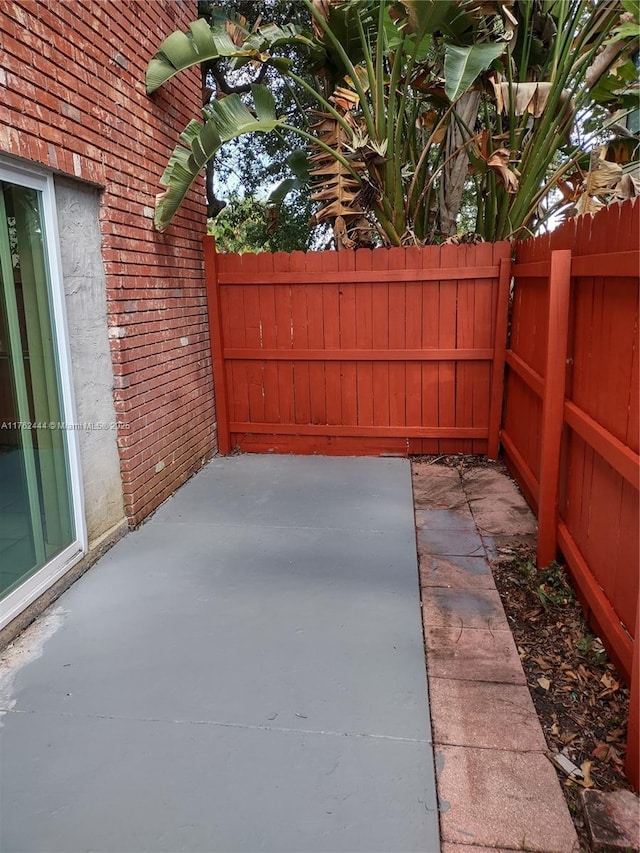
463,65
184,50
204,43
428,16
225,120
298,162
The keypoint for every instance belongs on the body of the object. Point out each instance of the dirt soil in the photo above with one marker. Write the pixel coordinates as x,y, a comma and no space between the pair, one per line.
581,700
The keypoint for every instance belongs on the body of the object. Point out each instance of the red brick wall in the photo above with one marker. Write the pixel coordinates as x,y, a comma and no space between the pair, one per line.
72,97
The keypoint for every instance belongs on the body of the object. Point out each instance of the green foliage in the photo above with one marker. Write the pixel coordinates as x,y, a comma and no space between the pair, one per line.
424,110
184,50
591,648
463,65
554,589
250,225
225,119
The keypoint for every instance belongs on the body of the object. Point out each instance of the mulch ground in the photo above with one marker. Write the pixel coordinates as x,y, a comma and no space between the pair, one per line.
581,700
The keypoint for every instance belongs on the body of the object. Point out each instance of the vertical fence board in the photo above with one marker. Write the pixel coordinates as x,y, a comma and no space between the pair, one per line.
484,333
235,335
331,330
397,313
430,340
413,340
268,340
465,317
282,295
316,340
449,258
553,403
380,323
632,436
300,340
254,369
364,340
497,378
625,591
349,386
633,736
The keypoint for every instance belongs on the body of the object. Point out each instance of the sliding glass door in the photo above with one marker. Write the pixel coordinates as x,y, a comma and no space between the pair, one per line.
39,516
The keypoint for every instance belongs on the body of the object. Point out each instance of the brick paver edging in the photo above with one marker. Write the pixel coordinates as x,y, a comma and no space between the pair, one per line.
496,787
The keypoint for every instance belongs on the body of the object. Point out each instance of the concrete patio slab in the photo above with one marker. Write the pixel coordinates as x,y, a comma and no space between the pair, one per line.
166,786
245,672
250,622
308,492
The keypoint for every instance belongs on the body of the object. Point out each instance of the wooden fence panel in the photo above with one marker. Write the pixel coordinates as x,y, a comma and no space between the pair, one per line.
592,513
383,351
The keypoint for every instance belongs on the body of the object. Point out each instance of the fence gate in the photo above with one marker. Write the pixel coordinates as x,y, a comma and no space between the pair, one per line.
384,351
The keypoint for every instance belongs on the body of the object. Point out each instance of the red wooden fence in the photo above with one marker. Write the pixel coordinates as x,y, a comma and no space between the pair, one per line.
366,352
571,430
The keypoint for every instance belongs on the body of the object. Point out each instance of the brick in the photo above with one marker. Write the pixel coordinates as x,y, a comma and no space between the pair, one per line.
484,715
468,608
613,819
92,119
473,654
455,572
493,798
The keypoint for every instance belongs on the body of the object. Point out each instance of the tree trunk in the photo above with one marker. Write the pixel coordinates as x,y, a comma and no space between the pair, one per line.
455,171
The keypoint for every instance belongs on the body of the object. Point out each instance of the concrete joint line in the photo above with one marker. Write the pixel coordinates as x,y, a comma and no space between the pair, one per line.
221,724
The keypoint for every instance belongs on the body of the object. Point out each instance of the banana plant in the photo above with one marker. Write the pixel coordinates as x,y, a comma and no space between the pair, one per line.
544,115
420,103
370,154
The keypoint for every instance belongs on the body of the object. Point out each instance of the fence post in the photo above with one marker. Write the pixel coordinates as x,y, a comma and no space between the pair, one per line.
633,727
553,404
499,353
215,338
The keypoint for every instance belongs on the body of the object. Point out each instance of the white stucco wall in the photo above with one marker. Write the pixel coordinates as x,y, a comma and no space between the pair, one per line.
84,285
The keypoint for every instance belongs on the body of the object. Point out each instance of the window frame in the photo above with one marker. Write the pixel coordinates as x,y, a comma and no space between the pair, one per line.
42,579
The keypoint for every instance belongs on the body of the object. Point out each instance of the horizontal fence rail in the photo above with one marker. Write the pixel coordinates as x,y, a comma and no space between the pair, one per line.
385,351
571,423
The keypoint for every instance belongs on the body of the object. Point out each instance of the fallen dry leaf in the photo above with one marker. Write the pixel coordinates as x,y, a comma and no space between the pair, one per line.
601,751
587,781
543,663
544,683
609,682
